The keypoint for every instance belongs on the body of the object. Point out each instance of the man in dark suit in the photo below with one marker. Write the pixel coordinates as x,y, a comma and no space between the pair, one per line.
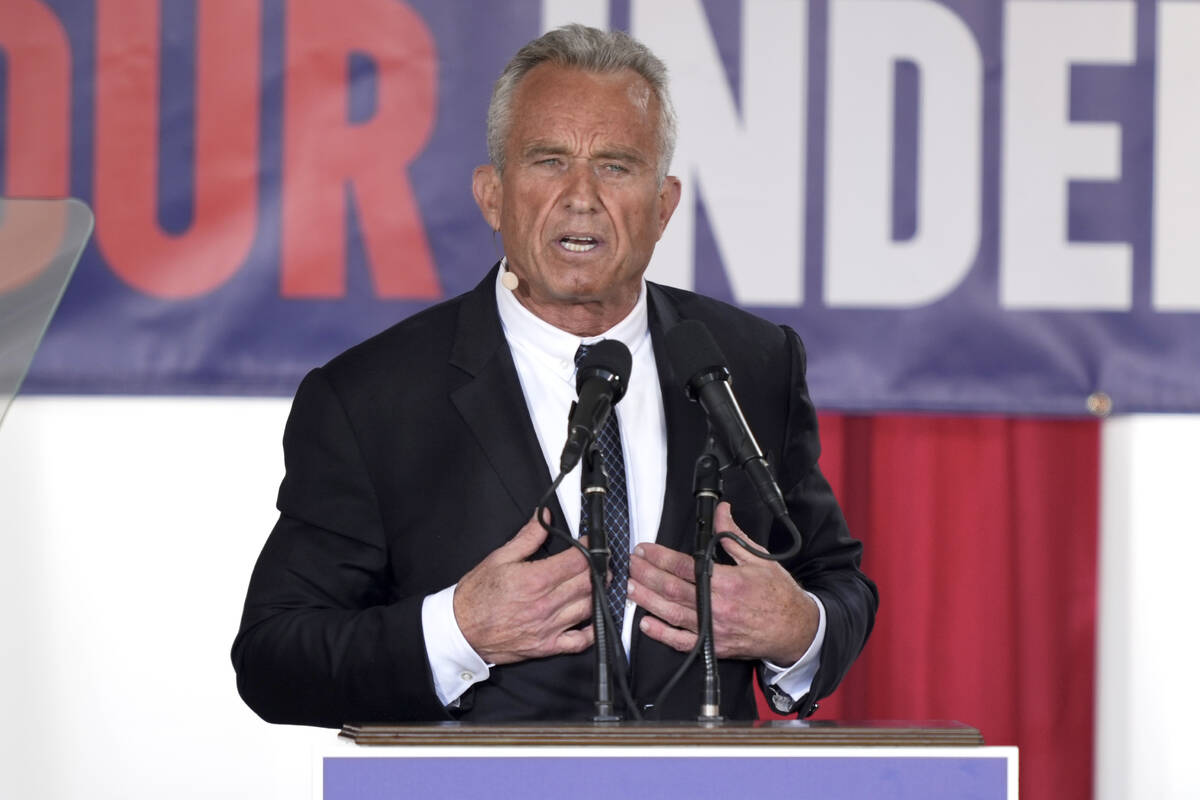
406,579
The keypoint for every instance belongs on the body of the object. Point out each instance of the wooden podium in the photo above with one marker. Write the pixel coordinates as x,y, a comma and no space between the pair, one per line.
634,760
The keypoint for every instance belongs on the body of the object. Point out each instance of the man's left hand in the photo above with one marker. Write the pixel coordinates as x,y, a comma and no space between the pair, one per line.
759,610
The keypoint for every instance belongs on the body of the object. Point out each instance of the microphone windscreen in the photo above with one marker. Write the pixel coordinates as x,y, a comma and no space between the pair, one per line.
606,355
693,350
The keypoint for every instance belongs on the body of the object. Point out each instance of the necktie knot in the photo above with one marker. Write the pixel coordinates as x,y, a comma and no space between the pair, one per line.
581,353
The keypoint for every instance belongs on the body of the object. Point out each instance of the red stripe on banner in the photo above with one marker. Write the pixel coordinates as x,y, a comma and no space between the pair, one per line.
981,533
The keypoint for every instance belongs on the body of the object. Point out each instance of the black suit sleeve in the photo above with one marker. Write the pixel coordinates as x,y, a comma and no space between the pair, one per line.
828,565
323,641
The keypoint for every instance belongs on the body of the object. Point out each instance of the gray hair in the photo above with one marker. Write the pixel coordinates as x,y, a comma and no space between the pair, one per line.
588,49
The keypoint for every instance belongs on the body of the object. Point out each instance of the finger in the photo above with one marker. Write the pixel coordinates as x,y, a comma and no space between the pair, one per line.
675,614
723,519
561,566
667,584
521,546
723,523
667,559
575,640
573,613
739,554
575,589
547,584
676,639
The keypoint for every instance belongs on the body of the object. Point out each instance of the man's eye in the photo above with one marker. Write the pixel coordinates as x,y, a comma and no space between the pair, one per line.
616,169
549,162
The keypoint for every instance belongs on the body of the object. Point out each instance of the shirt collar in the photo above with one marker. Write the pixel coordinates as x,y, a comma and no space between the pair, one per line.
554,347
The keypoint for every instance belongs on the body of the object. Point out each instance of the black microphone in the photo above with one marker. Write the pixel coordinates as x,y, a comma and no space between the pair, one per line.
600,380
695,355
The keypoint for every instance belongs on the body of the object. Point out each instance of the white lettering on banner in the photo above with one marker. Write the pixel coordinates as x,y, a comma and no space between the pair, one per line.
1043,150
864,266
745,160
1177,160
556,13
748,166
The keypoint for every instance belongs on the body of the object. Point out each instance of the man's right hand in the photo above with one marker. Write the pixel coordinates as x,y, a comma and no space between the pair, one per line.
512,609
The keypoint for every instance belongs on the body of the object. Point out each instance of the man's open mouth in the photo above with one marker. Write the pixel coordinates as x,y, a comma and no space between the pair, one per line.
578,244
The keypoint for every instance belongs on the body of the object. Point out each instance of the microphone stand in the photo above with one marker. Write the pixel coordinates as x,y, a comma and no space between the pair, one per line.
707,487
595,487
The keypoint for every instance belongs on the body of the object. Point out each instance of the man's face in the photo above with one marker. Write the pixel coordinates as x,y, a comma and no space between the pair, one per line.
579,204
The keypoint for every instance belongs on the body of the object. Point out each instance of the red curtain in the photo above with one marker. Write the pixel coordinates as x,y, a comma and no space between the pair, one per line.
981,533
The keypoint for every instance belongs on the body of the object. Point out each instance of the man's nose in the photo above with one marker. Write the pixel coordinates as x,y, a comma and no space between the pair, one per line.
581,194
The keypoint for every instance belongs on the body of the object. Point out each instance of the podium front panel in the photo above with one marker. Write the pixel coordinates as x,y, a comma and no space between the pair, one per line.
349,772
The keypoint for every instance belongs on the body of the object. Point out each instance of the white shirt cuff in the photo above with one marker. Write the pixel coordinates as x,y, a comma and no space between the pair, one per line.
455,665
796,680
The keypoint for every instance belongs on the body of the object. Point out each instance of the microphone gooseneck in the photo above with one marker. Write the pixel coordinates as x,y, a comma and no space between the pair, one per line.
694,355
601,377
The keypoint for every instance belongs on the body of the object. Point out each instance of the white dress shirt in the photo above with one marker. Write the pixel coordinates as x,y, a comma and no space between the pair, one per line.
545,360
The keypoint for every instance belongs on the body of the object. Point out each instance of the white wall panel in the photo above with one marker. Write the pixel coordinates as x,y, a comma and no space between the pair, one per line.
128,528
1148,697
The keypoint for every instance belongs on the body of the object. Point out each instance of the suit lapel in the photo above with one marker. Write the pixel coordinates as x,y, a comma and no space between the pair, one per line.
686,430
492,403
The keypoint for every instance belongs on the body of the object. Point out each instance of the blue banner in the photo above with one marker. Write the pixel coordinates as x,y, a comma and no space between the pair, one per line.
960,206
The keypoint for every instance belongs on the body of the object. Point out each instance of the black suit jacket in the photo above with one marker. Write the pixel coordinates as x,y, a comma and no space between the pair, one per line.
412,456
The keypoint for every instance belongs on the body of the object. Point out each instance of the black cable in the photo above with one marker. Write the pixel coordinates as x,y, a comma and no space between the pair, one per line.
786,521
702,613
619,652
614,637
695,651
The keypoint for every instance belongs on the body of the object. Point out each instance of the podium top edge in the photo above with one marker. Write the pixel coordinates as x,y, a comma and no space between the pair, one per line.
787,733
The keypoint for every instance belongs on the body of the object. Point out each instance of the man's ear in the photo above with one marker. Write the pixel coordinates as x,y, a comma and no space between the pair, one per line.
485,185
668,201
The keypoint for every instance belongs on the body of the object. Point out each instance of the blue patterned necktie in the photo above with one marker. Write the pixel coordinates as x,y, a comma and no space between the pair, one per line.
616,512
